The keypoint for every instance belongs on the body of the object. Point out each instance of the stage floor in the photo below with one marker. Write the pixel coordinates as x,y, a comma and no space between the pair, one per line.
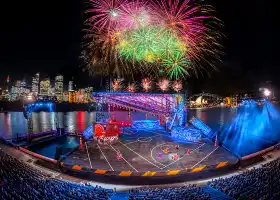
149,151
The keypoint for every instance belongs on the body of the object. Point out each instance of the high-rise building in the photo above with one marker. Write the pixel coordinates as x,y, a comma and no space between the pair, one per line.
72,97
17,90
14,93
71,86
35,84
52,92
80,96
59,87
45,87
5,92
22,87
88,94
65,97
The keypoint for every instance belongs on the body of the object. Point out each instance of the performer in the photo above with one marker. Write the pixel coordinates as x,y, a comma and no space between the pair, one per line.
177,147
159,155
176,156
165,150
188,151
119,156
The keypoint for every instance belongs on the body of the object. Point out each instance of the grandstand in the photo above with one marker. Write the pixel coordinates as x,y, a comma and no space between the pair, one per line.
21,181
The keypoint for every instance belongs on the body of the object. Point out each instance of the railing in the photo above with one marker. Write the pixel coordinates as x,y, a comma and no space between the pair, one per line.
37,155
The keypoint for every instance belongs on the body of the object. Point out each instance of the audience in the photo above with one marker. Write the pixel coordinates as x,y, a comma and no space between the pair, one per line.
257,184
18,181
191,192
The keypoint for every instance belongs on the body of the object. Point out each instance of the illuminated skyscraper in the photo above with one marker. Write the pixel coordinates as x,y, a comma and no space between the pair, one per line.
88,94
71,86
14,93
5,92
59,87
45,87
35,84
72,97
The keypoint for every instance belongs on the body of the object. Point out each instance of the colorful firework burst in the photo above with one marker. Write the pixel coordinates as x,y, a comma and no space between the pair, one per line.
175,37
105,14
147,84
117,84
149,44
177,86
131,87
176,66
163,84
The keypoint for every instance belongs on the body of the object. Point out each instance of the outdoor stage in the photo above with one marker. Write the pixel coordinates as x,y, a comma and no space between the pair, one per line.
144,150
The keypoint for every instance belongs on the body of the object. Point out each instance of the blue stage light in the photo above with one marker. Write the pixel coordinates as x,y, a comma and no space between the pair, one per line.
254,128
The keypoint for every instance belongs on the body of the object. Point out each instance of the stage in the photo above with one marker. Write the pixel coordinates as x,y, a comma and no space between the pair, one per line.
154,150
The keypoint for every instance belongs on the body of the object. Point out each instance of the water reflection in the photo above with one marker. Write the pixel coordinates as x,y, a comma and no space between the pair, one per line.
14,123
213,117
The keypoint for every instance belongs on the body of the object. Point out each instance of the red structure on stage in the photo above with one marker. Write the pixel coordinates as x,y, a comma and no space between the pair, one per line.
108,133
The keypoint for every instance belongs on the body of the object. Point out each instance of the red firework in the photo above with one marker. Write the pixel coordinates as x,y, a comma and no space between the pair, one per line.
190,22
136,14
131,87
105,13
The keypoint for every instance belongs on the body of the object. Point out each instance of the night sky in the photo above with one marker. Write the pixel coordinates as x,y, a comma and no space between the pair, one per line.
45,36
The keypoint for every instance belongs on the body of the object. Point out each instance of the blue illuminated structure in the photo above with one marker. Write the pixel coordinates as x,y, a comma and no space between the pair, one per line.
197,123
40,106
146,124
179,112
37,107
88,133
186,134
255,127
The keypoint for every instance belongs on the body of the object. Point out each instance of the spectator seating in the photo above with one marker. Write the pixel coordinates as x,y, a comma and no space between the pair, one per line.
191,192
256,184
19,181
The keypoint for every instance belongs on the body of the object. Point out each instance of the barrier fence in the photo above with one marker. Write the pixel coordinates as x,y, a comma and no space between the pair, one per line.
147,173
37,155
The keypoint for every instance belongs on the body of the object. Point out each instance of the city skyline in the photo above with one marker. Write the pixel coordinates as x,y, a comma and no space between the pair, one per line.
45,45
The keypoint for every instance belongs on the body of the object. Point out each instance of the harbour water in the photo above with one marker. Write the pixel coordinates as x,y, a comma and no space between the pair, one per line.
13,123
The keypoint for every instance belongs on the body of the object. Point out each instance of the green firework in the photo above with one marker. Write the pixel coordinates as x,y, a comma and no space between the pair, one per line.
149,44
176,65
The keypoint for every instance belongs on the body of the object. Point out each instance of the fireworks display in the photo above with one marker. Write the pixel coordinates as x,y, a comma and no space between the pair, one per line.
146,84
117,84
177,86
150,36
131,87
163,84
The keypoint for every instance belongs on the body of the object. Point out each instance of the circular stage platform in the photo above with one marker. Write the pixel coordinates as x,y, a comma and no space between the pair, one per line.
143,150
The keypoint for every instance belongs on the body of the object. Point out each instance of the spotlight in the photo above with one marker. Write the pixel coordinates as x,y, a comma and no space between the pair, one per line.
267,92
